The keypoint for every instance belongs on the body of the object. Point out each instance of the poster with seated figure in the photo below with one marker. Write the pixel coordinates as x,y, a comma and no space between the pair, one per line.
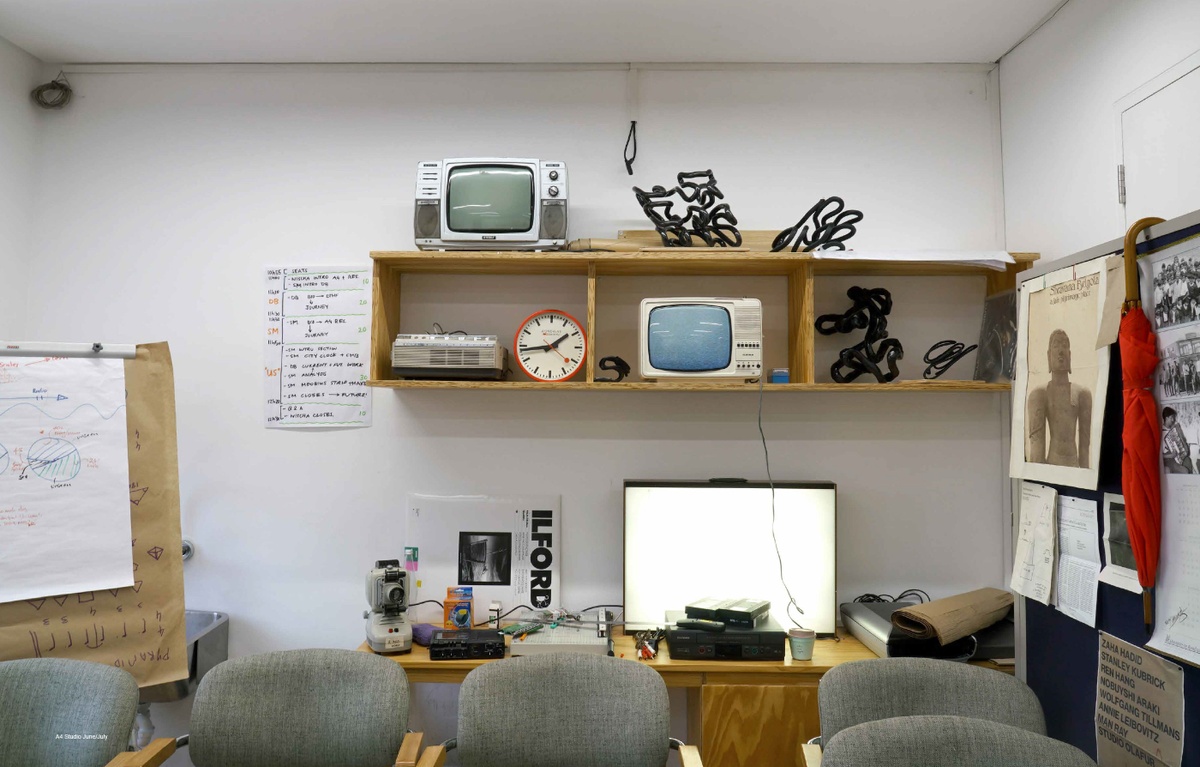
1061,376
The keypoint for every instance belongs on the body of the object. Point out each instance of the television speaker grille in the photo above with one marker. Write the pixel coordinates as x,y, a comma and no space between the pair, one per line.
554,220
427,220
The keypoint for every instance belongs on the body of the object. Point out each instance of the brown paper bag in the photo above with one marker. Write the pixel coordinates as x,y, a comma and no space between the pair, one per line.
954,617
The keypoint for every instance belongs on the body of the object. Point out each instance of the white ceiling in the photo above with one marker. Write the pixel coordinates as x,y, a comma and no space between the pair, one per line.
201,31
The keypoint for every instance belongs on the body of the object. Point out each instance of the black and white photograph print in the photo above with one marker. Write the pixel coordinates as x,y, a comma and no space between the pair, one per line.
1060,377
1177,289
484,558
1120,549
1120,568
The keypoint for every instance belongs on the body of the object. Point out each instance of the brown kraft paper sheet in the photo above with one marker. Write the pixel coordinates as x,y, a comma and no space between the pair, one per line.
141,628
955,617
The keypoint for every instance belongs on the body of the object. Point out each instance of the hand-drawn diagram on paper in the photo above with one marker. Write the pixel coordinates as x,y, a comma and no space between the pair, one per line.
140,628
317,347
64,477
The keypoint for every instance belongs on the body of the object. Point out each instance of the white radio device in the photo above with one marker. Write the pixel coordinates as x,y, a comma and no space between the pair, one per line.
442,356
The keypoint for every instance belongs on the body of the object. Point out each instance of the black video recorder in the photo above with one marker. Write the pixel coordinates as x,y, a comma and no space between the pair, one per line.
466,644
766,641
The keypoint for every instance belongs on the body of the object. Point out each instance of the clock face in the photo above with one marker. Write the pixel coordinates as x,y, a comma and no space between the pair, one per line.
550,345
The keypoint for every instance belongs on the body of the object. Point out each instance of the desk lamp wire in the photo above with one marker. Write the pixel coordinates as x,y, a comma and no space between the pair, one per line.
767,459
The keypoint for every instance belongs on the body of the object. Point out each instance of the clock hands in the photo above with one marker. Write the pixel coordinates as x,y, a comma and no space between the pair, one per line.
547,347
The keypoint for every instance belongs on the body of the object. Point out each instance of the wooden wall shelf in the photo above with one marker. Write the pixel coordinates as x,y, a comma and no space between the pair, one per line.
896,386
800,269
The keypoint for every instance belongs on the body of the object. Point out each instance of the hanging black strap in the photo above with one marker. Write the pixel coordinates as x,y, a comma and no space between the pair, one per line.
632,138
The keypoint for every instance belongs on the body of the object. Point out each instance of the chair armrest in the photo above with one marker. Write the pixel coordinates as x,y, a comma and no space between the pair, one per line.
410,749
434,756
689,756
812,754
152,755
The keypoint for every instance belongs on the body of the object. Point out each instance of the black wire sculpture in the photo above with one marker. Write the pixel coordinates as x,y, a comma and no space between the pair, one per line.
870,311
831,225
940,363
714,224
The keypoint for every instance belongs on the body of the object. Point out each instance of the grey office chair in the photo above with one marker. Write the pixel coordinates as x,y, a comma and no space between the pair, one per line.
579,709
68,713
903,711
300,708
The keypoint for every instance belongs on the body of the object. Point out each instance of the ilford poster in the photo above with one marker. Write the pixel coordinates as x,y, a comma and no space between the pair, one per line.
507,548
1061,377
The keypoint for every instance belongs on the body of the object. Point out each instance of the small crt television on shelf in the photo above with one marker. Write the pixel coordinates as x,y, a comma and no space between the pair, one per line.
490,203
700,338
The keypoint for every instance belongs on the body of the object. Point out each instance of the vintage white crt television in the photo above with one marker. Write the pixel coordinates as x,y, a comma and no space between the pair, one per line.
700,337
490,203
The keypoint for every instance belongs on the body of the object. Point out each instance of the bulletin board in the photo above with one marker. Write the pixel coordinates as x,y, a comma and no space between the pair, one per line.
1062,654
139,628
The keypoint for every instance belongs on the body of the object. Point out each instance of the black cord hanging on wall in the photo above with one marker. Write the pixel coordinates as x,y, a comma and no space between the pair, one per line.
631,138
831,225
714,224
870,311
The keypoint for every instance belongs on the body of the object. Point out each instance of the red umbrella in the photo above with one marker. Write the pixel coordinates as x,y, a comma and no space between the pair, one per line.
1141,439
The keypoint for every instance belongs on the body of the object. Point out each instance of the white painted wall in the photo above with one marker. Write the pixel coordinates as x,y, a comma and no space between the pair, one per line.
1058,89
181,185
18,143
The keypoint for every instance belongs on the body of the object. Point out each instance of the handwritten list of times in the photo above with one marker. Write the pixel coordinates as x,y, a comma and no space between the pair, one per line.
318,334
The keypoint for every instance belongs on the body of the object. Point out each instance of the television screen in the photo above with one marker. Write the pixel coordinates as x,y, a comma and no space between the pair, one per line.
689,338
685,541
489,199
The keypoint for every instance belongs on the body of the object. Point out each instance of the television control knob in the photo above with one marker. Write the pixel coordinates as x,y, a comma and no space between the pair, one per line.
552,191
553,175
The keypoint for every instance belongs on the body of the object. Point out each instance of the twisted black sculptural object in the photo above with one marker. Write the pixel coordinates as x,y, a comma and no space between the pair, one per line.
870,311
714,224
831,225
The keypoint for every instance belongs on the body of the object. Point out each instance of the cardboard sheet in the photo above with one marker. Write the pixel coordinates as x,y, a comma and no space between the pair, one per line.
140,628
954,617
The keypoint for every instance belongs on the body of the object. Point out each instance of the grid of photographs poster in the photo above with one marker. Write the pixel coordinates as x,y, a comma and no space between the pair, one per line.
1176,280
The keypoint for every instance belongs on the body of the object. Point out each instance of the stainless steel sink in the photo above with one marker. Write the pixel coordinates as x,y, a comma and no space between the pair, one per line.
207,645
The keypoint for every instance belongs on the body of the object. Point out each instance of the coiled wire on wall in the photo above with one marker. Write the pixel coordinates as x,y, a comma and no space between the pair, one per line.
55,94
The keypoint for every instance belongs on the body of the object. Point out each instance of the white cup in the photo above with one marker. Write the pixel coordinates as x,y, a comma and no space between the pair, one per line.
801,643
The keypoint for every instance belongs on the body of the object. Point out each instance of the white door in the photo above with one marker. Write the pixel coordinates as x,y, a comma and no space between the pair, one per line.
1159,133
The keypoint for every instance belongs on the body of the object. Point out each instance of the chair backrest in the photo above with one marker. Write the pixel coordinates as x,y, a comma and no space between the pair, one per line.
563,708
69,713
946,741
865,690
300,708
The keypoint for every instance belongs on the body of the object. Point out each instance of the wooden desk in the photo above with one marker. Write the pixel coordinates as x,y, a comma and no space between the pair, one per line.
739,712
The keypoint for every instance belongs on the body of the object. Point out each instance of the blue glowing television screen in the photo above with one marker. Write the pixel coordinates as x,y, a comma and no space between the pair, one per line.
689,338
489,199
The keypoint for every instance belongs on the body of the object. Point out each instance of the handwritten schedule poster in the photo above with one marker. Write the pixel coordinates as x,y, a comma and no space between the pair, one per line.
317,347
